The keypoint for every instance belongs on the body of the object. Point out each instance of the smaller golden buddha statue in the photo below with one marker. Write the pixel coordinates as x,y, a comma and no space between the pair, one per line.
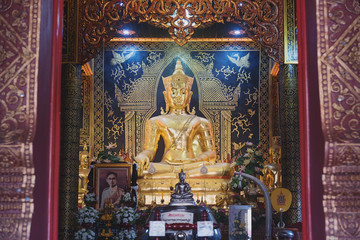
84,170
272,170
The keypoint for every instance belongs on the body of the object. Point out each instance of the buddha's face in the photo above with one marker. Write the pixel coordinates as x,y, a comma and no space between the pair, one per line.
182,177
177,95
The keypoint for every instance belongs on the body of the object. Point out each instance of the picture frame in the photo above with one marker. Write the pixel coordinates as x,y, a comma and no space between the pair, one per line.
116,174
239,222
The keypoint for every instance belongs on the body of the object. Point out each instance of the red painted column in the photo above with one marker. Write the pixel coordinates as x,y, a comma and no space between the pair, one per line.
47,138
311,137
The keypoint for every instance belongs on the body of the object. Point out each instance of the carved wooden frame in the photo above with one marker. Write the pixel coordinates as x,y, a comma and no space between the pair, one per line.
99,21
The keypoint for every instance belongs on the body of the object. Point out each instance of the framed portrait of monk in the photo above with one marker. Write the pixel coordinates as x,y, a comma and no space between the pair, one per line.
111,181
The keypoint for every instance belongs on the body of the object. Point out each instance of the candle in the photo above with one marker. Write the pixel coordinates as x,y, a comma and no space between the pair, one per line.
170,182
162,195
197,195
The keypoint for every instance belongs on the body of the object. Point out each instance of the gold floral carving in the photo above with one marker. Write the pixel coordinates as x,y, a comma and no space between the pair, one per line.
19,53
100,19
338,65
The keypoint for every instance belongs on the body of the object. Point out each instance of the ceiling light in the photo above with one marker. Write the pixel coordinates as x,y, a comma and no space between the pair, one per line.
237,32
126,32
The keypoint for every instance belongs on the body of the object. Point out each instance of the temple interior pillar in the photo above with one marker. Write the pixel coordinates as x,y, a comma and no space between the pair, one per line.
290,140
69,157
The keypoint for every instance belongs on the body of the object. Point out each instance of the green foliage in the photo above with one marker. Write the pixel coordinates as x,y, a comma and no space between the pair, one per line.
108,155
220,215
143,216
250,161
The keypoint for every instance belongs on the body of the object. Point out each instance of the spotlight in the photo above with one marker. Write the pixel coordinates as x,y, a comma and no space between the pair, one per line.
126,32
237,32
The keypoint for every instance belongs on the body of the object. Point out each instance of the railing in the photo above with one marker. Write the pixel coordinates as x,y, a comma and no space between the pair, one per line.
268,213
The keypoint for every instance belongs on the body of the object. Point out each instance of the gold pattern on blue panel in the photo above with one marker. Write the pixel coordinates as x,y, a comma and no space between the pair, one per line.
153,57
117,123
251,97
134,68
226,71
217,101
205,57
241,124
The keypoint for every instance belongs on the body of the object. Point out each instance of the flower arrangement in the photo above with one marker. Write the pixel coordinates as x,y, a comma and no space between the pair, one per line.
125,235
85,234
143,216
251,162
90,200
220,215
90,197
126,215
126,197
88,215
108,155
239,231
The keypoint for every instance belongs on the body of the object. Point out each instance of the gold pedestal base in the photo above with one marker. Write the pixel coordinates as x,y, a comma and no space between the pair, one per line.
212,191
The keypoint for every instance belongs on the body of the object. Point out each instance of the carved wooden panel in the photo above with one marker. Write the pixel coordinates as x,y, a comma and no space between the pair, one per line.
19,54
99,20
339,77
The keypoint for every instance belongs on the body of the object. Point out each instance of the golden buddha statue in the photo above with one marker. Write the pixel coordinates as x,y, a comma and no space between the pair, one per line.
272,170
188,139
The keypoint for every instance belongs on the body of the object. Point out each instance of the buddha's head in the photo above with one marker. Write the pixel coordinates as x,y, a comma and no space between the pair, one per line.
178,89
182,176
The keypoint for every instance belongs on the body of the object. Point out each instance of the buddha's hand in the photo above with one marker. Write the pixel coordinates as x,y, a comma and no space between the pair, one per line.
209,156
143,162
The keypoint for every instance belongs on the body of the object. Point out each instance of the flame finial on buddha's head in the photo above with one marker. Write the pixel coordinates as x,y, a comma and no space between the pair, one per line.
178,76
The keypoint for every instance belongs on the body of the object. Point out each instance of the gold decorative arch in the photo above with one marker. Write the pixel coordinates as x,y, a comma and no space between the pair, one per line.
99,20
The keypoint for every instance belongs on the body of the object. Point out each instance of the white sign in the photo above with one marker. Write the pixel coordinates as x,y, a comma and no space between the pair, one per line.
177,217
156,228
205,229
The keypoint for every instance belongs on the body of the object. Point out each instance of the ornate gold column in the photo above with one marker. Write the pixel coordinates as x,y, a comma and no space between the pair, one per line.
69,158
290,139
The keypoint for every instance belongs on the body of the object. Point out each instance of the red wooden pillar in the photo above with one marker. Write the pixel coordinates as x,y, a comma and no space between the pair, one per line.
47,139
311,136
